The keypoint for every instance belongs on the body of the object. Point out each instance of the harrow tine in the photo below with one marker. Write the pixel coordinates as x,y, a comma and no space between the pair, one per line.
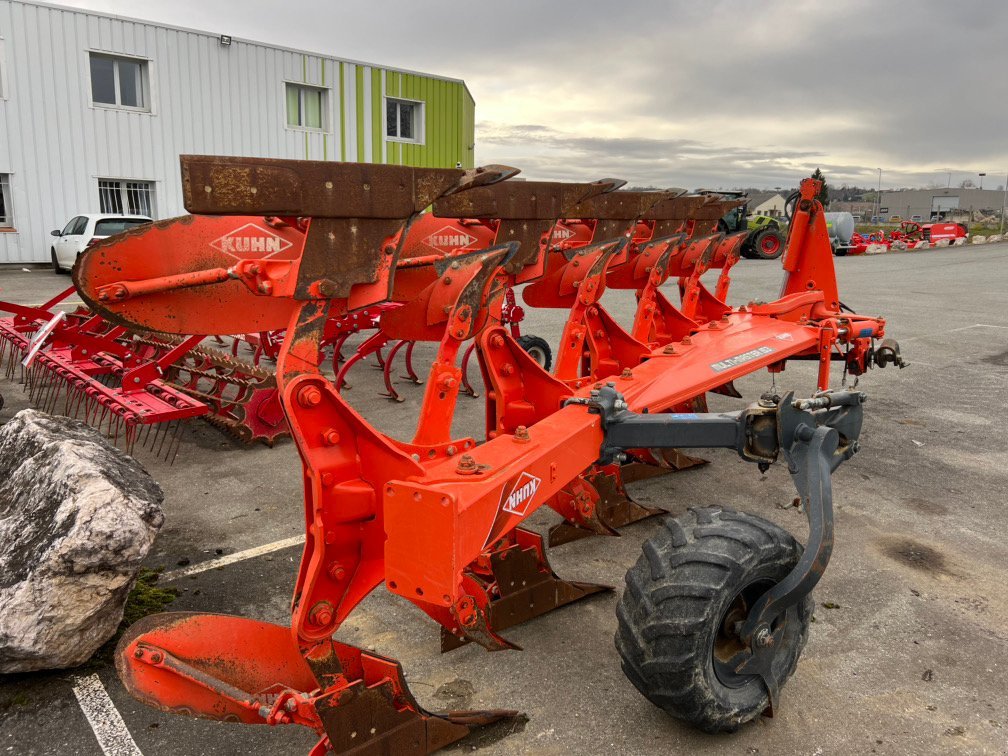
466,385
387,371
164,437
410,372
179,432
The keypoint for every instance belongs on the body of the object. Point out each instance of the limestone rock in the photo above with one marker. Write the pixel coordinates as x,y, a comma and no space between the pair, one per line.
77,516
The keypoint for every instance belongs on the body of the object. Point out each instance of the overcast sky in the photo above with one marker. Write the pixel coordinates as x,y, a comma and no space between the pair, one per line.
717,93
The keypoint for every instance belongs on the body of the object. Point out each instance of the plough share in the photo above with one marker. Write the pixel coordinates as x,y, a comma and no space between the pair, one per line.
439,519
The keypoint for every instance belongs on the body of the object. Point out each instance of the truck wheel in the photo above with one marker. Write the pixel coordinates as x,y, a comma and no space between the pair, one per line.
697,578
768,244
538,349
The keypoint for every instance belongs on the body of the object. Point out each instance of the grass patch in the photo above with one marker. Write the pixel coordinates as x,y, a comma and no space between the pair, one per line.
145,598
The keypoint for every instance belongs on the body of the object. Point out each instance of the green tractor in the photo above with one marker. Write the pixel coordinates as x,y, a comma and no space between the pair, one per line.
766,234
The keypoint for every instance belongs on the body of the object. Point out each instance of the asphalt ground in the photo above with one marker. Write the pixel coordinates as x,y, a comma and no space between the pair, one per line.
908,653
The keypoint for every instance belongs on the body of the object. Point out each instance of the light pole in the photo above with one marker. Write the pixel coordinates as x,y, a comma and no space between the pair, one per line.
878,195
1004,201
981,175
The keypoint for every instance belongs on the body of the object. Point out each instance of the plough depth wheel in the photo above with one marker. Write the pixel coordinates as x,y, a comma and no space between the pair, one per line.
686,599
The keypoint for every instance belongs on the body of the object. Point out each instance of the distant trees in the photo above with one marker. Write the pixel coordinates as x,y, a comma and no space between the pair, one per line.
823,195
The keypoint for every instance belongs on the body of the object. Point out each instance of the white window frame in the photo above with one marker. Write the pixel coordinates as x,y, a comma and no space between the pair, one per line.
145,79
302,86
419,120
124,189
7,222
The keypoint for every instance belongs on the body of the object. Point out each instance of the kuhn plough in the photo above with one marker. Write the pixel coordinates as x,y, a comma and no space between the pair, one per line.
716,611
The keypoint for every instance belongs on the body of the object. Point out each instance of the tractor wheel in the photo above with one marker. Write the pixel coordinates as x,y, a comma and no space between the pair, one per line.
768,244
538,349
698,577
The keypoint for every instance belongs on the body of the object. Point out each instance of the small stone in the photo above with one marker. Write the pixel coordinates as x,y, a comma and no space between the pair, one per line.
183,562
928,675
218,552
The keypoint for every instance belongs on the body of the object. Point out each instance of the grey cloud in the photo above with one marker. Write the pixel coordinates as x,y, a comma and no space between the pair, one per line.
748,92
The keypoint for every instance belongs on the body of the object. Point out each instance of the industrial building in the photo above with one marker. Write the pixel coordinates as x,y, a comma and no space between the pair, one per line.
95,110
940,204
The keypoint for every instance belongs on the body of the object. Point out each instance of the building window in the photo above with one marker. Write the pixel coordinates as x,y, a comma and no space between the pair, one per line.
306,107
119,82
404,120
6,210
126,197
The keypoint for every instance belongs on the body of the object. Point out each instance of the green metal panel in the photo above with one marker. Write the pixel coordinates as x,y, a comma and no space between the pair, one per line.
377,117
342,114
448,114
360,113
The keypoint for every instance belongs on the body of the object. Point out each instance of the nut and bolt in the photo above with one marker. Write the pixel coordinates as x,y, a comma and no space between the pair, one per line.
521,434
331,436
336,571
309,397
763,638
321,614
466,465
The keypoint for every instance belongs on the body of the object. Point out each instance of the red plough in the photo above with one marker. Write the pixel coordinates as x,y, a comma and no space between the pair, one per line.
440,520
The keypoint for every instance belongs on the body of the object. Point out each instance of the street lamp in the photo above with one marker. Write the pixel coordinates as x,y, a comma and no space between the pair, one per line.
1004,202
878,195
981,175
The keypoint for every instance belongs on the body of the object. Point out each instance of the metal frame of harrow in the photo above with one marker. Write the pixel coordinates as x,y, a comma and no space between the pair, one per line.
136,387
437,519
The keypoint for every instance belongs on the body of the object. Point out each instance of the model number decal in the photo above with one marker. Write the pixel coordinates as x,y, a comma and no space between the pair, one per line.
740,359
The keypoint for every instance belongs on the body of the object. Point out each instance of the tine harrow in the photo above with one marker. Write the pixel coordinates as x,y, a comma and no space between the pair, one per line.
296,249
132,386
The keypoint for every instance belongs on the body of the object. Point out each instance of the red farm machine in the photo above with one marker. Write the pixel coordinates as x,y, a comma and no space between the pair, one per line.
295,250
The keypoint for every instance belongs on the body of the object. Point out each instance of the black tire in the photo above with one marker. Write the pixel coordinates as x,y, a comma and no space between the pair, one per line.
768,244
55,263
675,610
538,348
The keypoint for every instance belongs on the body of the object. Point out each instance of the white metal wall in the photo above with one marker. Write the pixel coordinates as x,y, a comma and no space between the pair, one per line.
205,98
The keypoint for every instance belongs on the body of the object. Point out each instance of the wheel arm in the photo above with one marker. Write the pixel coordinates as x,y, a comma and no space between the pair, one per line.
814,436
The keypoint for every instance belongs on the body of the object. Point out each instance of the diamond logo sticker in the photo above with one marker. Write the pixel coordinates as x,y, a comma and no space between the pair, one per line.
251,242
450,238
522,492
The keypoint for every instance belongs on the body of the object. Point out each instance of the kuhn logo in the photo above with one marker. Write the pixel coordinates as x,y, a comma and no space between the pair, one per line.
562,233
517,501
251,240
449,238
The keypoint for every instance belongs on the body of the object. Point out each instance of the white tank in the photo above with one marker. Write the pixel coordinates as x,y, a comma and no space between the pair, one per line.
841,226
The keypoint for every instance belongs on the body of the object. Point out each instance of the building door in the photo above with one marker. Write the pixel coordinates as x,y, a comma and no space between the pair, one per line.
941,206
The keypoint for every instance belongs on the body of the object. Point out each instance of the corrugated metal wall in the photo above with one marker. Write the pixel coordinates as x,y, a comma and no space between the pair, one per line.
205,98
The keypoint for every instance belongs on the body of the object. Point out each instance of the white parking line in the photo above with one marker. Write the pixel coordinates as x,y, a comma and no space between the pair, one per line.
238,556
977,325
104,718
